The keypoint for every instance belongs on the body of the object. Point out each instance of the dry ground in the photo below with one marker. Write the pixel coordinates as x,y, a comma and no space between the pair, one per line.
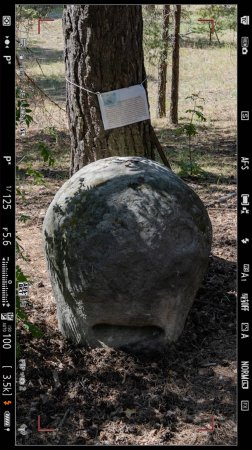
102,397
111,397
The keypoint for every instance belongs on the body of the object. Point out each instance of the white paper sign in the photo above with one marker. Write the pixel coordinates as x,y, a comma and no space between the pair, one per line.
123,106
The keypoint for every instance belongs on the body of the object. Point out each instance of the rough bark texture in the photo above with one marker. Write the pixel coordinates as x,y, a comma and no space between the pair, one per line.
127,244
103,52
162,66
175,69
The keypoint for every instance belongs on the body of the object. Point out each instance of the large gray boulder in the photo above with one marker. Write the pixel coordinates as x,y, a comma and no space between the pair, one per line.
127,245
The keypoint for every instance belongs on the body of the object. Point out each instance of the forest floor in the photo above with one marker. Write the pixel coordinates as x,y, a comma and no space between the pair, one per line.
187,395
110,397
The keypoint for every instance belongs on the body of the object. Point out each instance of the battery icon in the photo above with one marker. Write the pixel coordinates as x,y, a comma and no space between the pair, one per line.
245,41
245,198
7,419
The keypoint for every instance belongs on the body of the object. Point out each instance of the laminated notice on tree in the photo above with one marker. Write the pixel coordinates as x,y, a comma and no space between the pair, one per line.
123,106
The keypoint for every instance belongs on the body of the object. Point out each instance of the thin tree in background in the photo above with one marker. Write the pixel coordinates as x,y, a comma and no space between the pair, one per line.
175,69
104,52
162,65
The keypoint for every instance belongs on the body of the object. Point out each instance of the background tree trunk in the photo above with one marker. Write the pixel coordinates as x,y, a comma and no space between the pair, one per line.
103,52
162,65
175,69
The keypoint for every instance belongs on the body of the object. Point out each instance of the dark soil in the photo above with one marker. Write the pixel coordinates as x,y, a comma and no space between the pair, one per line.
105,396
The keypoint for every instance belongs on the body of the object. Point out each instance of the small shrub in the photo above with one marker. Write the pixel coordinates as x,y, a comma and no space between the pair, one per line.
190,130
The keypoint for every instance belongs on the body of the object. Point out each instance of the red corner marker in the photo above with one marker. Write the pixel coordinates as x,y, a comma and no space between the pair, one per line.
208,20
209,429
44,429
43,20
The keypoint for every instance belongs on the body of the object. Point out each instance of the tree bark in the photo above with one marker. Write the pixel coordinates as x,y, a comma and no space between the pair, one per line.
175,69
103,52
162,65
210,32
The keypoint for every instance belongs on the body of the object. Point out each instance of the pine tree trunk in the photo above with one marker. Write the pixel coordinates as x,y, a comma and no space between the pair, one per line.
103,52
162,65
210,32
175,69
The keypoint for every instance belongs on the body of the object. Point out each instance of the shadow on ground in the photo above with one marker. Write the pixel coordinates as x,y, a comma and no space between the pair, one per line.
45,55
100,391
202,43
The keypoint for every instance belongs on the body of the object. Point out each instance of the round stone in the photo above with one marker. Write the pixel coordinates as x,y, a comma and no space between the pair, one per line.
127,245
